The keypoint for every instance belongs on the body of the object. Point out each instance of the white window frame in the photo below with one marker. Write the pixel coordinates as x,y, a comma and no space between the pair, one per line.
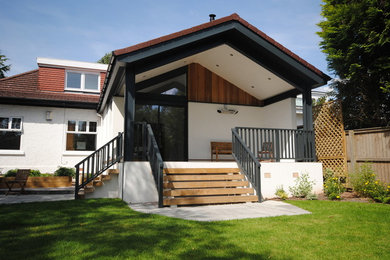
82,81
76,131
9,129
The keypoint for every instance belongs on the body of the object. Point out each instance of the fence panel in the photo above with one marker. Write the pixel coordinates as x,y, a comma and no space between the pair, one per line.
370,145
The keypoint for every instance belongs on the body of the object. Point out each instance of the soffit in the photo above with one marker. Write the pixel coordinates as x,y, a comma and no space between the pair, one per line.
233,66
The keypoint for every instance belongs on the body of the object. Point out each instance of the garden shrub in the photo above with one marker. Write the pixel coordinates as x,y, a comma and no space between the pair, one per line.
312,196
65,171
11,173
365,184
281,193
35,173
303,186
333,186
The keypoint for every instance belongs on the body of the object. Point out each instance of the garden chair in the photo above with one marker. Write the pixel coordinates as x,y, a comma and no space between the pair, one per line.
267,151
20,179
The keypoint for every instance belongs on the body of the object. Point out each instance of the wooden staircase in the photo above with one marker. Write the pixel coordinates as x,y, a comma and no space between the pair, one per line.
97,182
196,186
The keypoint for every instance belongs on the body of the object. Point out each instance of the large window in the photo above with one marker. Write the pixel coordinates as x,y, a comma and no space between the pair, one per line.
81,136
10,133
82,81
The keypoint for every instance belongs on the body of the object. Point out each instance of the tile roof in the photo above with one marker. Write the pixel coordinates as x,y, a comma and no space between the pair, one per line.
233,17
25,86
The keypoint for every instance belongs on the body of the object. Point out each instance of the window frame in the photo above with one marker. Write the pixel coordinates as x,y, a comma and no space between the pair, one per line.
82,81
9,129
76,131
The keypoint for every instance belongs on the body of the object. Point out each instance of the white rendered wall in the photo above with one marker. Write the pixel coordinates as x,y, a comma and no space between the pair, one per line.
43,143
137,182
205,124
112,120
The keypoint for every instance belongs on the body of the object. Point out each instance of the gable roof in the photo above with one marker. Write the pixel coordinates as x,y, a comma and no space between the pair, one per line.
23,89
233,17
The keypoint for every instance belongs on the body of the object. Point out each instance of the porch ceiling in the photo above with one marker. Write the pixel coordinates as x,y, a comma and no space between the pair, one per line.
231,65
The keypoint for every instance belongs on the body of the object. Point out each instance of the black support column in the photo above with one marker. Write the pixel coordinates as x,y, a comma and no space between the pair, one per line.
307,110
129,113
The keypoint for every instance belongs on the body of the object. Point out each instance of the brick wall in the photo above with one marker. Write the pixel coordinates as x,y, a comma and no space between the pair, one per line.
51,79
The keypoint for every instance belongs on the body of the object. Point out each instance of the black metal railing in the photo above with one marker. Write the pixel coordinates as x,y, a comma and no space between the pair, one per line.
146,148
276,144
98,162
247,162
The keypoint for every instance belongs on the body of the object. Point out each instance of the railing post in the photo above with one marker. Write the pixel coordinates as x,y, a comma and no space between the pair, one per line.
76,189
277,144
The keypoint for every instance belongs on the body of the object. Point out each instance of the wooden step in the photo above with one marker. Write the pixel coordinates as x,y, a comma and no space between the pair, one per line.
205,184
210,200
113,171
97,183
200,192
105,177
203,177
200,170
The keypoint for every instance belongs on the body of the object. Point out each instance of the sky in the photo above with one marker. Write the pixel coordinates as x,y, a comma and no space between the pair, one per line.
85,30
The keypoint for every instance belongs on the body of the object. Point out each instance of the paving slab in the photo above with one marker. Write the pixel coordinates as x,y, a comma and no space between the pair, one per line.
13,199
268,208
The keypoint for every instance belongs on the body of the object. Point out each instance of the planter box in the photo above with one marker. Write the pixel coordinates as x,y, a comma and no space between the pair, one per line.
41,182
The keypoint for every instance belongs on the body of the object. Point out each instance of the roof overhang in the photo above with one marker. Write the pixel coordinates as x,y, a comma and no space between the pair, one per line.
231,49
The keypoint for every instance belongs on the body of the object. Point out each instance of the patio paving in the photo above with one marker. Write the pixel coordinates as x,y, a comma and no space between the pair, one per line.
268,208
37,195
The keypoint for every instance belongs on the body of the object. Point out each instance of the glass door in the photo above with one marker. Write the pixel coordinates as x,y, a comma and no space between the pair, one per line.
169,128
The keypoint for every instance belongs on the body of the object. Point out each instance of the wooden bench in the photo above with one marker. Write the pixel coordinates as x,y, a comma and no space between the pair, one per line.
220,148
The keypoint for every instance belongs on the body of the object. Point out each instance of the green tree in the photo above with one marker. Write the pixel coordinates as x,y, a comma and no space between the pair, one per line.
3,68
356,39
106,58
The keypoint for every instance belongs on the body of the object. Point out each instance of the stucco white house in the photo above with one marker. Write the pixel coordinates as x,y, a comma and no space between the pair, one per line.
169,98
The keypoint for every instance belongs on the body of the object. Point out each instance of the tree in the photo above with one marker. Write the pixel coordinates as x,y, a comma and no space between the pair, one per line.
356,39
3,68
106,58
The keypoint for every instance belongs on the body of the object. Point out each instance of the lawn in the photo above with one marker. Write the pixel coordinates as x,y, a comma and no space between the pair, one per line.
107,228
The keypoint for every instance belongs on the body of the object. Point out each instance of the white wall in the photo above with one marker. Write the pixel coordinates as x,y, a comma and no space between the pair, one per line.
43,143
112,120
205,124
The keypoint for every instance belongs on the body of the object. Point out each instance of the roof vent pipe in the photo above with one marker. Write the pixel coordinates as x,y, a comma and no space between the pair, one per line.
212,17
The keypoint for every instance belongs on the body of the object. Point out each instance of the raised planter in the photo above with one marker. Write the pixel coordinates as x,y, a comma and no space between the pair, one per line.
42,182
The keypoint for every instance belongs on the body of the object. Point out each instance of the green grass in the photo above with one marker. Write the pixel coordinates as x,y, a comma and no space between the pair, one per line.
107,229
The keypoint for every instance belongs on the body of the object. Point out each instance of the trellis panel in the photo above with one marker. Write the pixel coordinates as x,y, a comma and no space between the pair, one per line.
330,137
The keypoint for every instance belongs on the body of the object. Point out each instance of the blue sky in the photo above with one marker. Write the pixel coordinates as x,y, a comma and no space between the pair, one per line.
85,30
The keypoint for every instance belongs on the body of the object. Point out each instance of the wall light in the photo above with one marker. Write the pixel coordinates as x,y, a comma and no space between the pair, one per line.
226,110
49,116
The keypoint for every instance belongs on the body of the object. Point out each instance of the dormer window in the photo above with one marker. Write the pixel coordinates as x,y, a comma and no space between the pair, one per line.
82,81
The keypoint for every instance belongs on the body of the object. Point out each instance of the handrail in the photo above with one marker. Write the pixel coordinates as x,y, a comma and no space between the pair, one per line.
148,150
247,161
276,144
98,162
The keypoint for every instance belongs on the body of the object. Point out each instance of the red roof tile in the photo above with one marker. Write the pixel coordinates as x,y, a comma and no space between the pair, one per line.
25,86
233,17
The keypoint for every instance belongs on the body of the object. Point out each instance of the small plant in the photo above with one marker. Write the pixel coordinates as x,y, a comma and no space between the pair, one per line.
303,186
11,173
281,193
333,186
65,171
312,196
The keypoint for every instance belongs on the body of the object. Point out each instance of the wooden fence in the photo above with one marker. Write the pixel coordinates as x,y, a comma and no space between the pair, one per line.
369,145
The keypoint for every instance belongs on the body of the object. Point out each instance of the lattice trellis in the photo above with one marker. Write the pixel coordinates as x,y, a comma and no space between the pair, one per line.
330,137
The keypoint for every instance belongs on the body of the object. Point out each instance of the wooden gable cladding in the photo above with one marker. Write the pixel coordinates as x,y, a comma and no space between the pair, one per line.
206,86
